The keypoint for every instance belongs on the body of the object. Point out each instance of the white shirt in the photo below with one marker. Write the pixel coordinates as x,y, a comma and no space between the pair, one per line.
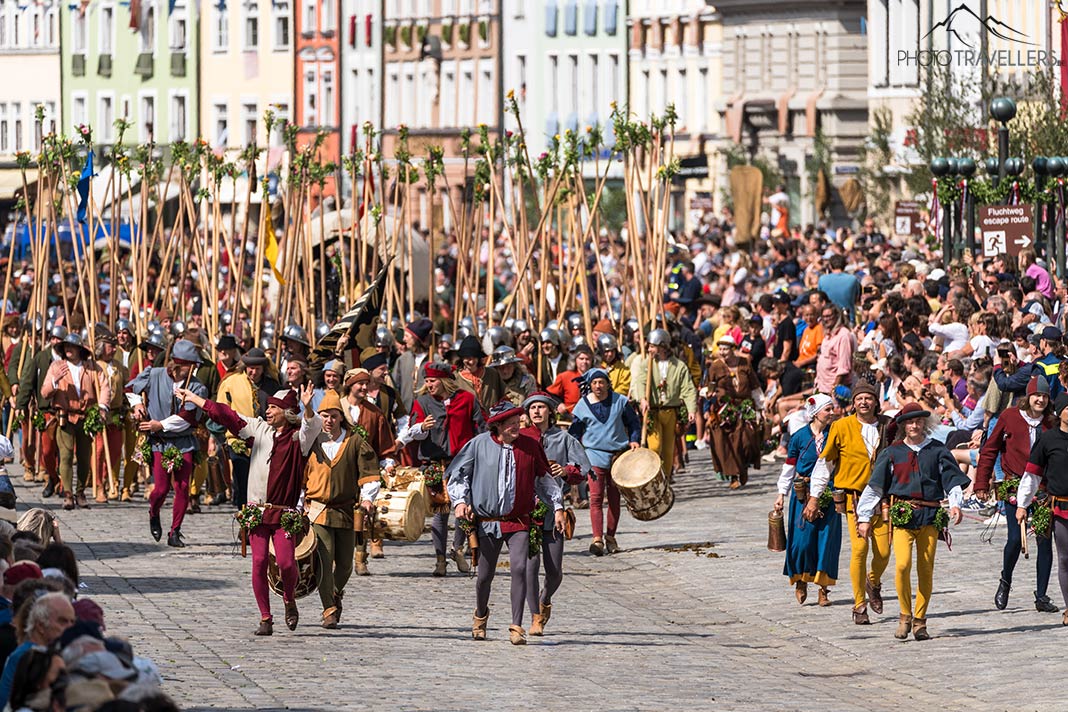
369,491
76,376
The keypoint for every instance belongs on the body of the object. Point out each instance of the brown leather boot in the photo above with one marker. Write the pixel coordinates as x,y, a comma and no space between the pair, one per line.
919,629
29,475
904,625
537,624
292,615
875,596
824,599
376,549
330,620
546,611
517,635
860,615
478,626
266,627
440,566
801,591
360,566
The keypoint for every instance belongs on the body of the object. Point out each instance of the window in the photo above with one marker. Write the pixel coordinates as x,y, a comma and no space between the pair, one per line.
595,81
220,29
467,95
487,94
249,118
107,29
179,116
280,20
148,30
448,97
105,117
392,98
3,28
16,112
77,29
308,23
148,117
51,28
311,88
281,115
179,29
554,84
35,27
327,114
16,39
327,16
252,25
78,113
681,98
521,79
613,75
4,145
126,112
573,81
221,133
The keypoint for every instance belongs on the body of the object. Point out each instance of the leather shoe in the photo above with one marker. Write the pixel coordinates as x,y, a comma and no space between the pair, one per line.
875,597
292,615
1044,605
610,545
860,616
1001,598
68,503
266,627
80,499
330,618
49,490
801,591
155,527
824,599
175,539
597,547
338,595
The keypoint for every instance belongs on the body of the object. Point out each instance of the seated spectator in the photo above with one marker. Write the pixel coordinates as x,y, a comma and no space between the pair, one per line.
60,556
40,682
46,619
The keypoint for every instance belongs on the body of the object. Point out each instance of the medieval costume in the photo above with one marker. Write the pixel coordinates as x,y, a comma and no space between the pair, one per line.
563,450
670,391
169,427
812,548
456,419
108,453
30,400
916,473
342,473
736,430
851,447
279,457
495,479
1016,431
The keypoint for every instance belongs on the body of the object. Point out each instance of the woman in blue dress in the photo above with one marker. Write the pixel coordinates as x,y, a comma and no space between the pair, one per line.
812,548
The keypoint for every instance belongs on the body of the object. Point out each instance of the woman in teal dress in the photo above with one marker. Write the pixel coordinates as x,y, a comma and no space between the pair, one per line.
812,548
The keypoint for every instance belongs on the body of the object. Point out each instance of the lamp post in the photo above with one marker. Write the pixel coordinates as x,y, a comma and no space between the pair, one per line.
1002,110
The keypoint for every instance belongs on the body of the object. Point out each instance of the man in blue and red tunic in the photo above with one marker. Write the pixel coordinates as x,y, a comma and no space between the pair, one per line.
492,483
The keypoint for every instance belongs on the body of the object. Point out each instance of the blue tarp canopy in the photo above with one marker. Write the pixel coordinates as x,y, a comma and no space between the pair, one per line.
21,233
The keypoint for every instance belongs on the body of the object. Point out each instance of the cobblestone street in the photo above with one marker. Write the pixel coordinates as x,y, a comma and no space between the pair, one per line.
662,625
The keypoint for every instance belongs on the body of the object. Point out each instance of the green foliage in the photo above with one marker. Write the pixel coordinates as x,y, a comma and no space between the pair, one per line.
874,156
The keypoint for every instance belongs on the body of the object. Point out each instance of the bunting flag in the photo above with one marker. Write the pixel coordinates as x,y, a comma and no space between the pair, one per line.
358,323
135,15
83,187
270,249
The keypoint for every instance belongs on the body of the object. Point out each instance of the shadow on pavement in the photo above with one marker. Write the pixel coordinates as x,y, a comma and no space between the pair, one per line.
158,584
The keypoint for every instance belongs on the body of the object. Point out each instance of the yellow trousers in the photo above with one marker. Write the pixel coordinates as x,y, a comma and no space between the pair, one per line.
200,476
878,542
926,541
661,437
129,441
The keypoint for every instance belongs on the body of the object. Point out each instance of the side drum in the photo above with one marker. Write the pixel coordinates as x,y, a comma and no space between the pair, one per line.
643,484
400,515
308,566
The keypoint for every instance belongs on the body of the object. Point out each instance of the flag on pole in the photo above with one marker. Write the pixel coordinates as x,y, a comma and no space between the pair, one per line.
358,323
83,187
270,248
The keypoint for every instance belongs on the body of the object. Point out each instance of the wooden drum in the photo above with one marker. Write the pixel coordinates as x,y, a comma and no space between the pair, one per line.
400,515
643,484
307,557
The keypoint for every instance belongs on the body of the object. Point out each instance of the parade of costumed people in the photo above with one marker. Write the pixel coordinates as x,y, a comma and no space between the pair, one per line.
357,383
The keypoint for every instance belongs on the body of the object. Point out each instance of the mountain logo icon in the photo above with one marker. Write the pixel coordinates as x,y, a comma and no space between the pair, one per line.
962,14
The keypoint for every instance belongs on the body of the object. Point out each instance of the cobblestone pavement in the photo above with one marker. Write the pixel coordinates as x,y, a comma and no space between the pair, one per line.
658,626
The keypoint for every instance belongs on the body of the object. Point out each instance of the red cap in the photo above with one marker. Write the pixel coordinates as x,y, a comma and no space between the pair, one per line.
286,400
22,571
437,370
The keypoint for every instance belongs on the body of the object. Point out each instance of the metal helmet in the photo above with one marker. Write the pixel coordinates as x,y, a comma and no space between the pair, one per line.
550,335
268,329
294,332
226,317
267,343
659,337
447,341
553,324
321,329
177,327
38,322
519,326
631,327
481,324
574,321
123,325
152,326
55,312
74,339
462,333
395,324
154,339
575,342
497,336
504,355
57,331
468,322
606,342
383,337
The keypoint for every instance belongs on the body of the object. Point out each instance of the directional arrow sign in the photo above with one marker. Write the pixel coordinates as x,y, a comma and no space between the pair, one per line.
1005,228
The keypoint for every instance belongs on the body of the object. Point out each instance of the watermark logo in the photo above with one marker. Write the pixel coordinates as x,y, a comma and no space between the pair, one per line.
965,31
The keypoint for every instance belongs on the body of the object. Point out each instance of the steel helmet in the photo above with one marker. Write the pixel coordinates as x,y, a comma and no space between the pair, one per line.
504,355
631,326
496,336
550,335
574,321
266,343
177,327
462,332
123,325
154,339
383,337
293,332
321,329
57,331
606,342
226,317
519,326
575,342
659,337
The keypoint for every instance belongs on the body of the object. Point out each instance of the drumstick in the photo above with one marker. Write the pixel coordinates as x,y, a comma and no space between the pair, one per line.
1023,538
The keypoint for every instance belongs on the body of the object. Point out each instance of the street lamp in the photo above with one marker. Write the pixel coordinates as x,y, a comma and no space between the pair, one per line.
1002,110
